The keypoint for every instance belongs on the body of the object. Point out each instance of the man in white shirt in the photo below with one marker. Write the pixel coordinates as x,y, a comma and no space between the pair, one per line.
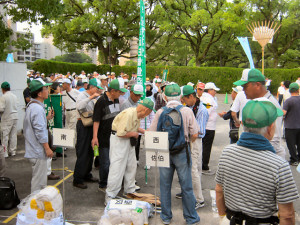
69,99
280,93
208,98
9,120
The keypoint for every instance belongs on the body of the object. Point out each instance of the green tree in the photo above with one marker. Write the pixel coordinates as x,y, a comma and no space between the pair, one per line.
202,23
287,14
74,57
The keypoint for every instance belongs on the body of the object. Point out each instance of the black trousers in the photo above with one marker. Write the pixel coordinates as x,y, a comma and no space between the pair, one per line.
84,153
137,148
292,137
207,142
280,98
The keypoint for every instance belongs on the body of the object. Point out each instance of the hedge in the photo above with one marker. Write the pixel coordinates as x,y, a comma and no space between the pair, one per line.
223,77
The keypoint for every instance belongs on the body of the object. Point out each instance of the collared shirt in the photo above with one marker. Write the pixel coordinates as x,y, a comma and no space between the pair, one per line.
68,102
128,103
84,103
239,103
126,121
189,121
9,106
212,111
35,130
105,112
202,118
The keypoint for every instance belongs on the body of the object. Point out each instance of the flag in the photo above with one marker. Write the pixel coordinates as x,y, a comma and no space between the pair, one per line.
141,65
245,44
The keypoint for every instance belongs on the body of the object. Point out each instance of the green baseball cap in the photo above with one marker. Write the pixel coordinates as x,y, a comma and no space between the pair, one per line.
95,82
5,85
250,75
137,89
258,114
172,90
148,103
118,84
38,83
293,87
187,90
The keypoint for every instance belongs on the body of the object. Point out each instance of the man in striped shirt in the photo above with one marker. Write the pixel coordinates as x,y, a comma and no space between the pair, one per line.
201,115
251,179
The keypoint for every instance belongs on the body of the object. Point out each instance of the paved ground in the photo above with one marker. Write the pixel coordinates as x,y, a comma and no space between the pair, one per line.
87,205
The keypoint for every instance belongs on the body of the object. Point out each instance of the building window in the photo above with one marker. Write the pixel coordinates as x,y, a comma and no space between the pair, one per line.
20,57
27,53
27,58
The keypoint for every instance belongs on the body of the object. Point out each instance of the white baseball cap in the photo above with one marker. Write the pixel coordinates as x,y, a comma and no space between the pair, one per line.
158,81
237,89
103,77
211,85
191,84
66,80
126,80
137,89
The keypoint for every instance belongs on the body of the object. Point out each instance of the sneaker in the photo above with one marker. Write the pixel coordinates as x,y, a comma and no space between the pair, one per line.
52,176
107,199
208,172
137,188
179,195
199,205
80,185
165,222
294,163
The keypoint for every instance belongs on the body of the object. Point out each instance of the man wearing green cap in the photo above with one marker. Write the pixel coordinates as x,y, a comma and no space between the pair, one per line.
106,109
37,149
9,119
84,152
253,183
291,109
179,161
125,129
253,82
136,93
201,115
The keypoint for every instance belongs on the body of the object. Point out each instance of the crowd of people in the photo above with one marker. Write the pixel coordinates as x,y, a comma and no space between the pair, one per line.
111,113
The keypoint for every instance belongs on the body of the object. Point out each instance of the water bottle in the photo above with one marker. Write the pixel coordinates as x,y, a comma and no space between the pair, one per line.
298,168
96,150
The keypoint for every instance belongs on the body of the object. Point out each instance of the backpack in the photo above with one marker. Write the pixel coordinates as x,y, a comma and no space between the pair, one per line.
8,194
171,121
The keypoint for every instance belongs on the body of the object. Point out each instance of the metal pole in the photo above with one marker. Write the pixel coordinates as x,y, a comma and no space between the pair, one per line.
155,186
109,58
263,60
64,184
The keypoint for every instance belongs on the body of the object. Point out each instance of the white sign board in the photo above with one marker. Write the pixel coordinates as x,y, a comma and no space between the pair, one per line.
156,140
122,204
64,138
162,158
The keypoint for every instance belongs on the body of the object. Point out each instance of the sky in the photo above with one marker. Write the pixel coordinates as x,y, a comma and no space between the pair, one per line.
36,30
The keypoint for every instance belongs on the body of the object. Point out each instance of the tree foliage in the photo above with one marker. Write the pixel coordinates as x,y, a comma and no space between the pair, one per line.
74,57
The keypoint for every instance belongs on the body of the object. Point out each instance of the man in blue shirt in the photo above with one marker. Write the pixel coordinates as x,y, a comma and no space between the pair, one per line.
37,149
201,115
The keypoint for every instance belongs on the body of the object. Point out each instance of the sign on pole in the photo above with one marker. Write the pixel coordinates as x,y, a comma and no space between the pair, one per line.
141,64
64,138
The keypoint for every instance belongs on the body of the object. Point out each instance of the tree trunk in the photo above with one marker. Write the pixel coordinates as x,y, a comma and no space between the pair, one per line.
276,60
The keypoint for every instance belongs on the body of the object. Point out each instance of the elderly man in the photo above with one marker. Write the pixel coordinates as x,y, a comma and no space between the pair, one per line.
9,119
126,126
253,83
104,81
36,134
291,109
179,161
136,93
84,152
201,114
253,183
69,100
106,109
208,98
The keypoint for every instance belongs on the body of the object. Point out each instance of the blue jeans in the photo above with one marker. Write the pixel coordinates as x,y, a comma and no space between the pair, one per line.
103,166
178,162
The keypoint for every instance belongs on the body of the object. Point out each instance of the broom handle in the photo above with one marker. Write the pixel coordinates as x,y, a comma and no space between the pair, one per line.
263,60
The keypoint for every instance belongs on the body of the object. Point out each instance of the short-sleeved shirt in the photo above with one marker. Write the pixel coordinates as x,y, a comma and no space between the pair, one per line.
105,112
128,103
207,98
239,103
292,118
126,121
254,181
69,103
